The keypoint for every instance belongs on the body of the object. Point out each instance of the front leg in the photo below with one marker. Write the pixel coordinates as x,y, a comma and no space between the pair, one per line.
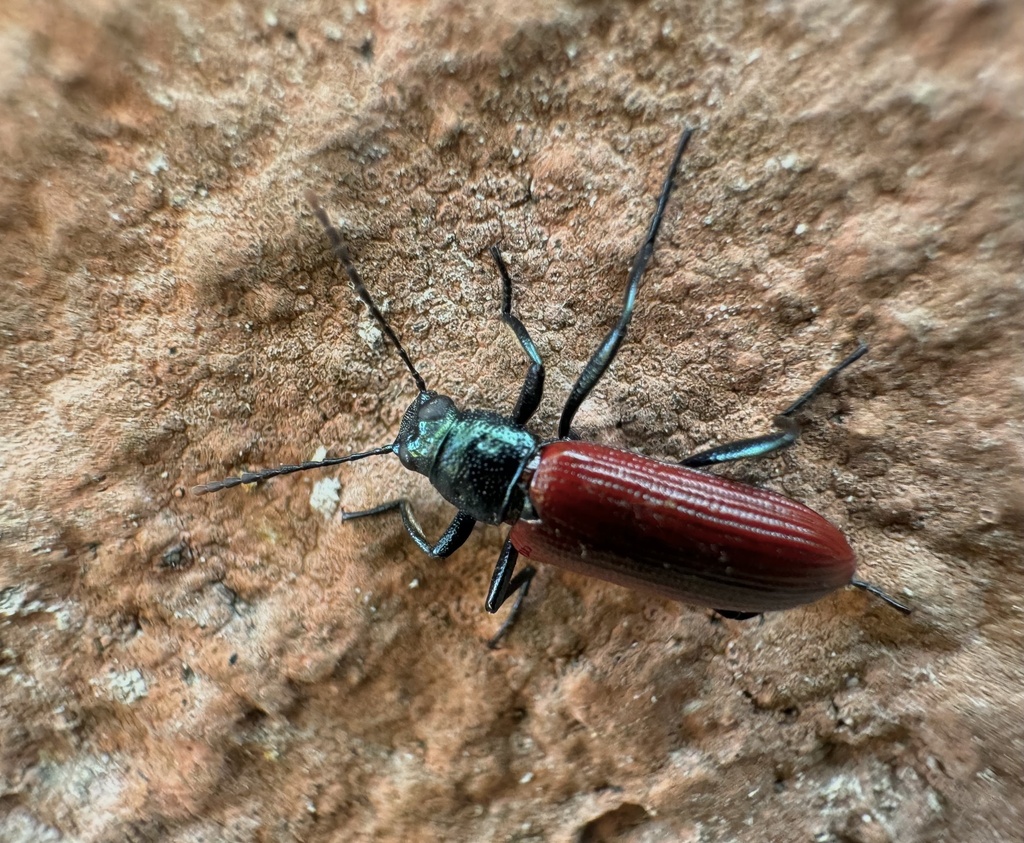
454,537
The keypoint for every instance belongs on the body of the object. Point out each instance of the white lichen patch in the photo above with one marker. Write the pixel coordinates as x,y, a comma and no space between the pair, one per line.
325,496
127,686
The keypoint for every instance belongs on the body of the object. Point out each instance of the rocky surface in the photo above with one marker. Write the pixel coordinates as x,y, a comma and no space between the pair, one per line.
246,667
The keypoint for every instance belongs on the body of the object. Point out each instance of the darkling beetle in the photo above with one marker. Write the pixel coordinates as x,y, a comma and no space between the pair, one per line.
616,515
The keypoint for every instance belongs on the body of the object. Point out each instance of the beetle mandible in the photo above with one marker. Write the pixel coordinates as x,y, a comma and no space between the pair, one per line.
666,528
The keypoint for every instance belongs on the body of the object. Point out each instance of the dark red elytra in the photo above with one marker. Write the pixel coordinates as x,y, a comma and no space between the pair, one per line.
677,532
668,529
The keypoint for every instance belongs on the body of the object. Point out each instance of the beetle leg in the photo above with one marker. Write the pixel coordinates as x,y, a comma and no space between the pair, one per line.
533,385
503,583
824,380
729,614
789,428
875,590
606,352
741,449
454,537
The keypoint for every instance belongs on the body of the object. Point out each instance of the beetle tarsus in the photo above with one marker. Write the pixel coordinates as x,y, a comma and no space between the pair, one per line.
875,590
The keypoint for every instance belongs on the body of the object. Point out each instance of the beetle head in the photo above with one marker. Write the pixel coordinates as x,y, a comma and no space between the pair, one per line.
425,426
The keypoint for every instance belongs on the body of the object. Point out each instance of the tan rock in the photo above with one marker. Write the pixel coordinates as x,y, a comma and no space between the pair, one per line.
241,667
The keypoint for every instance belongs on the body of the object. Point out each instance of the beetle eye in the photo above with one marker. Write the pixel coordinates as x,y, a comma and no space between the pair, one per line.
434,409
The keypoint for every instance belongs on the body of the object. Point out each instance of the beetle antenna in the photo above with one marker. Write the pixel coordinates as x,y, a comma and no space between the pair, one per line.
256,476
341,253
875,590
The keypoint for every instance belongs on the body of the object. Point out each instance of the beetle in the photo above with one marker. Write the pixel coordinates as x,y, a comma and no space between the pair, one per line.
666,528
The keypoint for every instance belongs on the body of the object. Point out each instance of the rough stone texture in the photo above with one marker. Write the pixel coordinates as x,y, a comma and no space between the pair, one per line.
241,667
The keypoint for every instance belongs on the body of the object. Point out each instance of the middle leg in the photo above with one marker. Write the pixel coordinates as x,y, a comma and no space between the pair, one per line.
533,386
504,581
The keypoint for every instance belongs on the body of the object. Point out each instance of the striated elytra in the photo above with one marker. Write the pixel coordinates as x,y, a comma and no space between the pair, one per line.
629,519
677,532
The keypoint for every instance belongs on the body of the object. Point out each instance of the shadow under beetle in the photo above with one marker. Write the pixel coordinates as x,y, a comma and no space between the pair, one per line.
601,511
